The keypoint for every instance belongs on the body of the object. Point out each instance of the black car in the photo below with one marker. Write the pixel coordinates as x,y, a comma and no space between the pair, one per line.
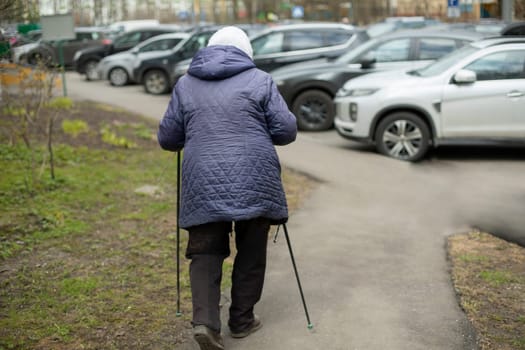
85,61
49,51
273,48
155,73
287,44
309,88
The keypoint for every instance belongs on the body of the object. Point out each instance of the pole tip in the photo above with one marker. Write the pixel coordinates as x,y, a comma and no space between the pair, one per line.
178,314
310,326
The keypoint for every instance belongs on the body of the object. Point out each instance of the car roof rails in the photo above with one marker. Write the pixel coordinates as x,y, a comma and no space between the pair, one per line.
500,40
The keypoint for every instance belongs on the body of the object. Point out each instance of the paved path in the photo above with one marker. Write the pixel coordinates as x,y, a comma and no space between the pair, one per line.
369,243
372,262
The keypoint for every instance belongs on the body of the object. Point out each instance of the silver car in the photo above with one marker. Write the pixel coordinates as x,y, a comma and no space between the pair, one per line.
474,95
118,68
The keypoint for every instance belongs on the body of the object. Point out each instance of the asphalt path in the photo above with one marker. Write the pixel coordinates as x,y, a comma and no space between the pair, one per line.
370,242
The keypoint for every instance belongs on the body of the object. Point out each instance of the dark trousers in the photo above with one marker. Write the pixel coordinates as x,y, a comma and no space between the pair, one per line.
208,246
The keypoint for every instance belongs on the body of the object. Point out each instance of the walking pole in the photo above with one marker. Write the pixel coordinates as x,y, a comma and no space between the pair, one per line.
178,313
310,325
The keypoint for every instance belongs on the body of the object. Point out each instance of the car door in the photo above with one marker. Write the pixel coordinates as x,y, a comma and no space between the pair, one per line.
491,107
266,48
69,47
196,42
279,49
81,41
151,50
388,55
384,55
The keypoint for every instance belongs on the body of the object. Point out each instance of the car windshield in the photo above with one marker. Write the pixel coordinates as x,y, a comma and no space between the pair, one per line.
444,63
352,55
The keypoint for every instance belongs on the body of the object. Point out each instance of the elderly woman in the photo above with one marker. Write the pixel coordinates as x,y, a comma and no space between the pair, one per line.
227,115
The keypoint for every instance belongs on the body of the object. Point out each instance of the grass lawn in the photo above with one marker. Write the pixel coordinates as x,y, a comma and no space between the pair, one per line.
489,277
87,261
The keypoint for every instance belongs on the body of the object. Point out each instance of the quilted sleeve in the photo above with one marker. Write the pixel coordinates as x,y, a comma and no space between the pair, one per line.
171,134
281,122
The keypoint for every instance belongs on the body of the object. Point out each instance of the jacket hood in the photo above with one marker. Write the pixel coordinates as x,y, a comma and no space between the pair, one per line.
219,62
233,36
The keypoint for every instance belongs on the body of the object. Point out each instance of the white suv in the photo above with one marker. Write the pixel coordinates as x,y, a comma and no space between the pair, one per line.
474,95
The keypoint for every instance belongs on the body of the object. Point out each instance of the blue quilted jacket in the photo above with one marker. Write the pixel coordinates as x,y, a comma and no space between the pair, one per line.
228,115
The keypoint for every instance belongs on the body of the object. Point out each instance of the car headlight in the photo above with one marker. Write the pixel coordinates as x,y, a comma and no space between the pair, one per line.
355,92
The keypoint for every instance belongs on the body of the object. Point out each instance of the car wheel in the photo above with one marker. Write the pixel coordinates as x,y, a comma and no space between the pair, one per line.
156,82
314,110
118,76
91,70
403,136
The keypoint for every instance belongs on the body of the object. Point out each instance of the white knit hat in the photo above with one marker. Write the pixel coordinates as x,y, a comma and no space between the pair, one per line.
232,36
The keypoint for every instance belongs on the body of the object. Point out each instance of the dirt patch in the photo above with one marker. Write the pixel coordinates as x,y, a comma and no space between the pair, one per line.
489,277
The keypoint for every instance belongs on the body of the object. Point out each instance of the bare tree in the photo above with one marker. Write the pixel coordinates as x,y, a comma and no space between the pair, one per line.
124,9
97,11
112,13
11,10
150,8
8,5
519,9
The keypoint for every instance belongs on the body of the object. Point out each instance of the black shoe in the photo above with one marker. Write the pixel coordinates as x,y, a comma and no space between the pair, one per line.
207,339
254,326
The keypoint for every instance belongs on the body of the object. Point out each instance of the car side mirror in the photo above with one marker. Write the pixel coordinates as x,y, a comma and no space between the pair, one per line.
367,62
464,76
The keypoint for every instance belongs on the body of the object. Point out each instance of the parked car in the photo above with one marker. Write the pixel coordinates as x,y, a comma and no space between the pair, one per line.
34,48
514,29
309,88
391,24
155,72
118,68
292,43
86,60
19,53
487,27
49,51
22,39
126,26
474,95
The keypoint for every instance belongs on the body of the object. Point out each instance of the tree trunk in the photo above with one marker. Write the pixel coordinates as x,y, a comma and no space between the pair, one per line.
124,9
97,10
50,123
